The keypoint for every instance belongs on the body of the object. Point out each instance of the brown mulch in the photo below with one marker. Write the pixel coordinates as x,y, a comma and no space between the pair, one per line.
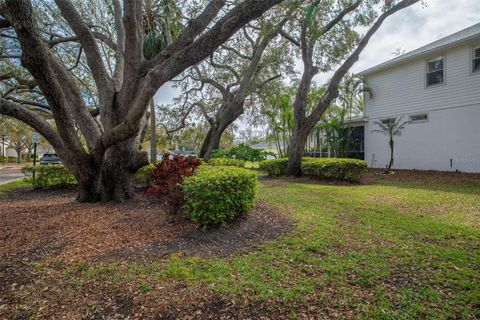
38,225
376,175
50,224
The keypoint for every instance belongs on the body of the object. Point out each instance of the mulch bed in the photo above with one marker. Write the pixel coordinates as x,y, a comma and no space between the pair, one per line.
41,224
375,175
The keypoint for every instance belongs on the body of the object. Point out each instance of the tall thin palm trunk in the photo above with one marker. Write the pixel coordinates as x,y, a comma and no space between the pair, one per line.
153,136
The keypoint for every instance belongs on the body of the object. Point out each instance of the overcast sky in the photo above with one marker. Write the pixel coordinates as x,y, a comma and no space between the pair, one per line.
407,30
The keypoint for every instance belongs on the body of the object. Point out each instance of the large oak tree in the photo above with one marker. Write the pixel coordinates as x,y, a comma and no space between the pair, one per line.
104,165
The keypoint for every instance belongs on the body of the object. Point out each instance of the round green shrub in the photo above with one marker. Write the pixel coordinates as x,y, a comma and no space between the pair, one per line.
229,162
219,194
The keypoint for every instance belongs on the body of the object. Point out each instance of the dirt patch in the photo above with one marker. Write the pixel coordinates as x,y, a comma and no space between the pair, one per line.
50,224
376,175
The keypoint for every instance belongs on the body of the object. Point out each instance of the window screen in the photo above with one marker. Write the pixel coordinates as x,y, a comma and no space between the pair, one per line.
476,59
435,71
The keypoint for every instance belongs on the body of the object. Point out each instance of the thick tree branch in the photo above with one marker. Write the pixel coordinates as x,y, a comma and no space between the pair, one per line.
194,53
31,83
39,61
289,38
332,89
260,46
4,24
195,27
133,26
100,36
90,47
32,119
44,107
120,48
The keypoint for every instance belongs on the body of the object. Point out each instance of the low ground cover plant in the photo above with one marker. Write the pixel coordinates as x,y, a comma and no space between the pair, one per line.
339,169
215,195
49,176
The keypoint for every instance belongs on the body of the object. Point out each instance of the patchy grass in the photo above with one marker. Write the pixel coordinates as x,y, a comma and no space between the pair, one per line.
12,185
389,250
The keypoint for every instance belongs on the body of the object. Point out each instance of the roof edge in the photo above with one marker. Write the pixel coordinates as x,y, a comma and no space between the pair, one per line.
422,51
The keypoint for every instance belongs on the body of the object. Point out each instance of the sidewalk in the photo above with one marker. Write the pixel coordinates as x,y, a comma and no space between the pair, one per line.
10,172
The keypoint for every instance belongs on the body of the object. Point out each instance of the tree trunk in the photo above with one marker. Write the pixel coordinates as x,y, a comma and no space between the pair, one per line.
225,117
212,141
114,180
390,164
18,150
153,137
296,150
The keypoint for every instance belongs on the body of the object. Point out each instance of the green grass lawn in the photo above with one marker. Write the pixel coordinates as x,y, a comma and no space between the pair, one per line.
392,250
12,185
389,250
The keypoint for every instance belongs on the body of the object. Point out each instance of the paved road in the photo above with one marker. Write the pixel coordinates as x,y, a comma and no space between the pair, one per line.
10,173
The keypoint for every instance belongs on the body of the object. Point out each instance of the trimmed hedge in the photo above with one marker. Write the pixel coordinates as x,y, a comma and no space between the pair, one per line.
218,194
340,169
274,167
49,176
229,162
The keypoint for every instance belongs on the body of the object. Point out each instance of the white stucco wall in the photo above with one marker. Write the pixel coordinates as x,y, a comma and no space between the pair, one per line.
449,134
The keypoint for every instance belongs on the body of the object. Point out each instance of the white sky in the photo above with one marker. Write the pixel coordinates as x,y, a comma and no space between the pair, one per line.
409,29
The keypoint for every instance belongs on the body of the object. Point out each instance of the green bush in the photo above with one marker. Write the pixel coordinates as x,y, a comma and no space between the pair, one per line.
340,169
242,152
229,162
142,176
219,194
274,167
49,176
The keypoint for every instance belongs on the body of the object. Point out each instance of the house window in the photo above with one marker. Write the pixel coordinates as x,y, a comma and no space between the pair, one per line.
476,59
435,71
389,120
419,117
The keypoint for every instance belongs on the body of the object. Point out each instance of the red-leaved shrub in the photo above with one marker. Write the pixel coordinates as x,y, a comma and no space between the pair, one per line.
168,175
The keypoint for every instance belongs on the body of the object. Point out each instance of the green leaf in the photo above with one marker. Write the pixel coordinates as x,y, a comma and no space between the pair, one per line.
310,12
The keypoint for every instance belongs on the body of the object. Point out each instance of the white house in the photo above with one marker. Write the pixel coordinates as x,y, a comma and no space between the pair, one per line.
437,88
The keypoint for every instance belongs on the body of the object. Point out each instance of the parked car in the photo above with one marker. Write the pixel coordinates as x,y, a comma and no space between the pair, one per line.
50,158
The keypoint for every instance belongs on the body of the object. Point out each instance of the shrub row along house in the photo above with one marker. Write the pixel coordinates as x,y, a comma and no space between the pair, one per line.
437,89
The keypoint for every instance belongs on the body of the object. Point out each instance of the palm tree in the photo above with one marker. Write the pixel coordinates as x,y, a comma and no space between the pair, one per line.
351,98
392,128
